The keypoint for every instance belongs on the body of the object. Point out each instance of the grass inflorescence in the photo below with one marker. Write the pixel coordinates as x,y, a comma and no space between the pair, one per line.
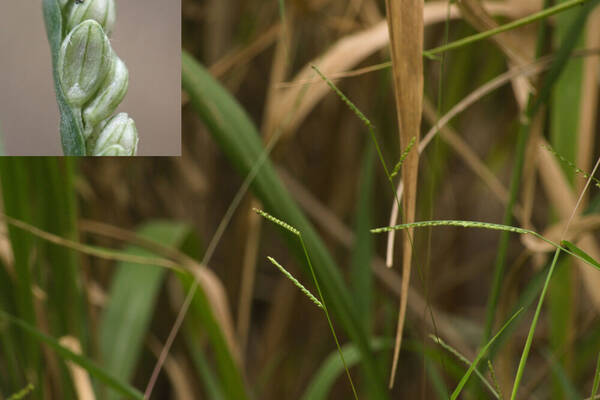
403,156
320,303
565,246
574,167
295,282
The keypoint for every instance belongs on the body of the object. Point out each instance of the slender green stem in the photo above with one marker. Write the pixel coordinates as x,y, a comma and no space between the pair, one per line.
596,384
515,182
480,355
529,340
337,343
464,359
321,303
507,220
371,130
503,28
23,392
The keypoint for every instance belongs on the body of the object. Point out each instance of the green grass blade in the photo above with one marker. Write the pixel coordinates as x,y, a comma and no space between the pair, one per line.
527,347
564,113
71,131
202,320
330,370
13,378
132,298
464,359
212,384
101,374
486,225
17,194
580,253
533,106
480,355
53,196
361,276
506,27
568,388
596,383
239,140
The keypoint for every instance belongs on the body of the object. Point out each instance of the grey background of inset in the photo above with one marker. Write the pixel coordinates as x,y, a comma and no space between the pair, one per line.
147,37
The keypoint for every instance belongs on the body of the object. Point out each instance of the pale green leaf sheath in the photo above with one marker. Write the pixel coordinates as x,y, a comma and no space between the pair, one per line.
92,79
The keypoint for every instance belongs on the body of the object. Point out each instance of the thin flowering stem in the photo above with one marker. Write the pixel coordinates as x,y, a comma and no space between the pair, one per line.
320,303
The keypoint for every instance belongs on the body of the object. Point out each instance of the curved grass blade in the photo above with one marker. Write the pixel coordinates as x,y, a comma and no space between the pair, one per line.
503,28
85,363
133,293
580,253
361,276
480,355
527,347
596,383
487,225
71,131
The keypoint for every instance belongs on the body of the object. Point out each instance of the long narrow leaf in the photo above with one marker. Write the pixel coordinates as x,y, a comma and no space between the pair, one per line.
332,368
132,298
480,355
580,253
85,363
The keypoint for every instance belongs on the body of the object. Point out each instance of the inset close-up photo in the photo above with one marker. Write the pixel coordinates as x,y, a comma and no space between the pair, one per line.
90,78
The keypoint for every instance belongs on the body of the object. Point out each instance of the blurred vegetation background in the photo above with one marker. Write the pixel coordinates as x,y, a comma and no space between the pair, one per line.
97,255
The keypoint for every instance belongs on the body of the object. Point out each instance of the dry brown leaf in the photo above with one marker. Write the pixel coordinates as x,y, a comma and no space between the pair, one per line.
562,198
81,378
351,50
405,24
244,55
589,97
215,293
510,43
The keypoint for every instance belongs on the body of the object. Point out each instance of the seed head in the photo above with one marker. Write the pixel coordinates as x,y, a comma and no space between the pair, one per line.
118,137
101,11
84,60
109,96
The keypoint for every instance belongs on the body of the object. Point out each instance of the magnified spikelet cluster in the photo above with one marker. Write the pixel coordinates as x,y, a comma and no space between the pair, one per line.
94,79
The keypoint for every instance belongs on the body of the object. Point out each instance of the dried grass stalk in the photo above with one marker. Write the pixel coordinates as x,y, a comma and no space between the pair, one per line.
405,24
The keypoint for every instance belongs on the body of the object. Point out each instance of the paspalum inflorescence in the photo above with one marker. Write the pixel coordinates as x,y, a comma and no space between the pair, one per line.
93,79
